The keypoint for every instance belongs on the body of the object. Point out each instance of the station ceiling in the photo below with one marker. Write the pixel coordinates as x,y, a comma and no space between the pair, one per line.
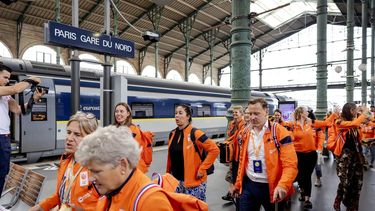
267,28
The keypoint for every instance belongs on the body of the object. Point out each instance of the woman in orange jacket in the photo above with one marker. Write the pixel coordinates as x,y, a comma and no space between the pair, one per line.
111,155
74,191
234,126
305,146
349,158
183,161
123,117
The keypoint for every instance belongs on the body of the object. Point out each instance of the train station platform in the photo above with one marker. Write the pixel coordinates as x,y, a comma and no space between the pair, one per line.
322,198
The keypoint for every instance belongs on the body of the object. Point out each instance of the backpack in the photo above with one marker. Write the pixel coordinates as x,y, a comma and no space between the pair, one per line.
179,201
274,137
203,156
168,182
148,139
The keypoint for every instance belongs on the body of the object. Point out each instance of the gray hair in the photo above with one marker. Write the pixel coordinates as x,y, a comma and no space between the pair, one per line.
108,145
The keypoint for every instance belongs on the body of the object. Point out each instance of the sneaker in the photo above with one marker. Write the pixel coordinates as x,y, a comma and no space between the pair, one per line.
371,166
227,197
318,183
307,205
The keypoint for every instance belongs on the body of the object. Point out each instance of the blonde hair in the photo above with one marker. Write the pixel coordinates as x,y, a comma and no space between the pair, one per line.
298,112
87,121
239,108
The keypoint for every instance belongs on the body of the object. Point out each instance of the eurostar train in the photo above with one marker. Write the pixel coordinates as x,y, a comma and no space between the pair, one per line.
41,133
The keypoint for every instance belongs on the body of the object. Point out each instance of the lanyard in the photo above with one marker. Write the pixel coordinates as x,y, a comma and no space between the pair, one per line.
256,148
69,181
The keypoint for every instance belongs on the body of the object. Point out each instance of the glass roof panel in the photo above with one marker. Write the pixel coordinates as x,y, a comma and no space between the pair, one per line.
296,8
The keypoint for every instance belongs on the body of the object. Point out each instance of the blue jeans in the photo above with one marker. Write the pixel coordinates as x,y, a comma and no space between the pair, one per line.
4,159
254,195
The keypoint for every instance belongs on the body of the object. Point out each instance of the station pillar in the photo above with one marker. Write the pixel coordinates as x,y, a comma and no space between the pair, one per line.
240,50
321,73
350,52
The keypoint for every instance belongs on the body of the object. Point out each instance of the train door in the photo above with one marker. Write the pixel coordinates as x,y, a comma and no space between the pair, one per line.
38,128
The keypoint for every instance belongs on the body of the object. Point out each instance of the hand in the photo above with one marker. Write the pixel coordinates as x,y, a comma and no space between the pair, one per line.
337,109
199,175
279,194
234,192
38,95
36,208
36,79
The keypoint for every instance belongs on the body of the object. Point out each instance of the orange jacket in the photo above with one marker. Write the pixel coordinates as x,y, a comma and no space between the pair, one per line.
281,167
319,137
83,194
304,136
192,161
138,137
233,133
125,198
337,134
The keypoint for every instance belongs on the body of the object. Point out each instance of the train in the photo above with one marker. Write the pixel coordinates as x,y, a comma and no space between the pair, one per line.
41,133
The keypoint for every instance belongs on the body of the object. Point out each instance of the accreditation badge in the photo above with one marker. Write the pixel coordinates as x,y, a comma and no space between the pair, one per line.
83,179
257,164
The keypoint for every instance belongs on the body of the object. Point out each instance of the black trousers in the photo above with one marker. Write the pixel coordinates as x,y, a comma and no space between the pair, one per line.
306,165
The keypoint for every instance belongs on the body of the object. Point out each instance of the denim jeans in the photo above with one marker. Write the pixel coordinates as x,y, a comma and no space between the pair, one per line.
254,195
4,159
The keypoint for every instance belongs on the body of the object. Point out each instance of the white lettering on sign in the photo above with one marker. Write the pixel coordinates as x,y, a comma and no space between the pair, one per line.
65,34
91,40
123,47
107,43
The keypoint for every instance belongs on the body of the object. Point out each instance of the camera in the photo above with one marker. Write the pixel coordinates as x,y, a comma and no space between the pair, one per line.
42,88
151,36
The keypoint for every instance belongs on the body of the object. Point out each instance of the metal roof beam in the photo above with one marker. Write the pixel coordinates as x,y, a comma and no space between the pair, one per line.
21,17
143,14
91,11
181,21
194,38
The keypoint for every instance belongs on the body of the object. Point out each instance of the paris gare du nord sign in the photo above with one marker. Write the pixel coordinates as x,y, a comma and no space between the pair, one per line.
76,38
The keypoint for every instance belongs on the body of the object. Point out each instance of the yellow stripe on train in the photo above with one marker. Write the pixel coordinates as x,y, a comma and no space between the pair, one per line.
159,119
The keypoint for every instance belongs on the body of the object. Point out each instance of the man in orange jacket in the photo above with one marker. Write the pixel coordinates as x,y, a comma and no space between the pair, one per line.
267,166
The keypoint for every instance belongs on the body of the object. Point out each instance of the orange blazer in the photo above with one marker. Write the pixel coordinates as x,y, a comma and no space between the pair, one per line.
138,137
83,193
192,161
281,167
125,198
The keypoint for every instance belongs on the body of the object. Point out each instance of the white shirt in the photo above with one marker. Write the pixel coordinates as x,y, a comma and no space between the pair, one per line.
257,139
4,114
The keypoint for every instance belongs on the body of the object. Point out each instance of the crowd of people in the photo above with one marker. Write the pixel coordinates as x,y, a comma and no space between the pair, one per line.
104,168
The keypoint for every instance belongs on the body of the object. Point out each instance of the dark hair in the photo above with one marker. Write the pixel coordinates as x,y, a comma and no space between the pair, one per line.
261,101
278,111
188,111
128,120
346,113
3,67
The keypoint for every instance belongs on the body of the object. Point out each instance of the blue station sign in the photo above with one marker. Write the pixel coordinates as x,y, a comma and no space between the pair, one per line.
73,37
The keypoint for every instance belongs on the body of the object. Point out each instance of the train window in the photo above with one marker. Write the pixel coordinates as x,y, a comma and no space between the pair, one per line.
204,110
220,109
142,110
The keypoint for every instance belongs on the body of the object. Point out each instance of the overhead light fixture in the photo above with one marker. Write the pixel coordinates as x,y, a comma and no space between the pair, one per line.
362,67
338,69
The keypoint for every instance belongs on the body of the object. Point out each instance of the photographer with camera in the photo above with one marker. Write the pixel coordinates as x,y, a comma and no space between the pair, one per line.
7,103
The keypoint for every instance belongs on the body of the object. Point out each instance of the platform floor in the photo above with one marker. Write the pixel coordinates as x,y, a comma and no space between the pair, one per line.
322,198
